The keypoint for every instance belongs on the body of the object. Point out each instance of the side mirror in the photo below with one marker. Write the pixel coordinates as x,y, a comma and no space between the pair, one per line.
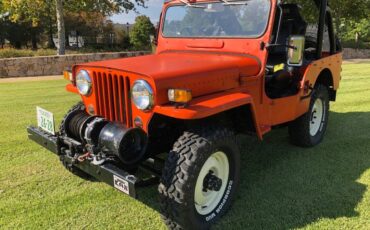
296,50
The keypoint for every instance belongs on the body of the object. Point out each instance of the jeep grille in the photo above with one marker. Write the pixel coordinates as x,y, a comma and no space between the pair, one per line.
113,97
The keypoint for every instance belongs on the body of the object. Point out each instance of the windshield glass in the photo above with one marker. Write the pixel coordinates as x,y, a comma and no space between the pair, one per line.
220,19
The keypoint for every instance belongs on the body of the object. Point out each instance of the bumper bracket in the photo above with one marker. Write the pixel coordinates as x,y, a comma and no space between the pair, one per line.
108,172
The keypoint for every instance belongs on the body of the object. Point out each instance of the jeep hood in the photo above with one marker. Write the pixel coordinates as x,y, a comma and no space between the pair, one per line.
201,72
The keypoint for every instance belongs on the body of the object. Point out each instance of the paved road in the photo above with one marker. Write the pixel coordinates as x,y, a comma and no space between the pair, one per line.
22,79
355,61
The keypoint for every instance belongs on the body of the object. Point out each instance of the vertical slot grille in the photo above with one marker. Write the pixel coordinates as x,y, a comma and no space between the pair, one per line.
112,97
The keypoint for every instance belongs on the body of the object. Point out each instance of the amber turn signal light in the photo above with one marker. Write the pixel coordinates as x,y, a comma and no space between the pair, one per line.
67,75
179,95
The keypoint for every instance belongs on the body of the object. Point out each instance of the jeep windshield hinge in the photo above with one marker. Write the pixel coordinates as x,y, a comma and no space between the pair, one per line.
188,4
241,2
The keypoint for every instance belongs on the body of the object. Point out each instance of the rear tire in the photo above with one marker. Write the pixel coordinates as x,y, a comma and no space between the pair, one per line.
309,129
200,178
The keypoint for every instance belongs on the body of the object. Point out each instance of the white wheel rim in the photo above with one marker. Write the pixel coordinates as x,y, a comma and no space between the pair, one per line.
317,115
206,202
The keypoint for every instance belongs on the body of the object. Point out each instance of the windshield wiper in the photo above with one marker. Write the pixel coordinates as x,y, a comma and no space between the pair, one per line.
241,2
188,4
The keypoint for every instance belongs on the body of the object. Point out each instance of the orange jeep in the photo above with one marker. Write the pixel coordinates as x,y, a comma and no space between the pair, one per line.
221,68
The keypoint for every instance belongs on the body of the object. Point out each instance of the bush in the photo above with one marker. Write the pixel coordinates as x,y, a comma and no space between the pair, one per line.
12,53
354,45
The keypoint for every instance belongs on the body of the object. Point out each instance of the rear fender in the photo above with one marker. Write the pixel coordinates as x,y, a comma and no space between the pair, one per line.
332,64
210,105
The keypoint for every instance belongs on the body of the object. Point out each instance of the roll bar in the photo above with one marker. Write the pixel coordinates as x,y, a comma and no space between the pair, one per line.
325,18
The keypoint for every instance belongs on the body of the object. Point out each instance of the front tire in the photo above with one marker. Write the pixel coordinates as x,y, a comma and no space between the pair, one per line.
309,130
200,178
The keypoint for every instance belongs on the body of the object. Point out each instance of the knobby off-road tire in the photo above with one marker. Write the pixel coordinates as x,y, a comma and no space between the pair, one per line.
309,129
184,176
62,131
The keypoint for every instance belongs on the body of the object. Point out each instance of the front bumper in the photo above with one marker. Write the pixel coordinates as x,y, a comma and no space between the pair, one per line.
106,172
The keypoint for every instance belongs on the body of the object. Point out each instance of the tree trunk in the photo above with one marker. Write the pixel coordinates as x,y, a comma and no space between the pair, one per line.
61,28
18,45
337,26
51,44
34,39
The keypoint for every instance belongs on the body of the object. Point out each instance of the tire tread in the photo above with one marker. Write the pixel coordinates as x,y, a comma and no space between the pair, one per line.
183,159
299,129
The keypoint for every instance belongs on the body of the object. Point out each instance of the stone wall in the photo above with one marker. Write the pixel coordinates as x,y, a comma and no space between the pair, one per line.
53,65
349,53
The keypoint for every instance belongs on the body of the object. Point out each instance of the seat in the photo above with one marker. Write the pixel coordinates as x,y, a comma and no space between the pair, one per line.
292,23
282,82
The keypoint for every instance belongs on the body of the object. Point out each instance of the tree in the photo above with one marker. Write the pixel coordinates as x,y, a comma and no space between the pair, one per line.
121,36
39,14
36,14
28,13
350,10
2,32
353,10
2,26
141,31
61,27
105,7
88,24
50,20
355,34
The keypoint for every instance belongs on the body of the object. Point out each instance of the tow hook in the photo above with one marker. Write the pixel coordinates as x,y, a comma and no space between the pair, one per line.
95,160
83,157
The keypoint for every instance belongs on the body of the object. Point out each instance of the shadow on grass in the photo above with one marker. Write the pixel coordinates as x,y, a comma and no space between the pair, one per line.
283,186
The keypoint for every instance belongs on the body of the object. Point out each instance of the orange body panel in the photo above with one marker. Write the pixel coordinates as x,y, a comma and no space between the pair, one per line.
186,70
332,63
206,106
209,105
221,73
71,88
282,110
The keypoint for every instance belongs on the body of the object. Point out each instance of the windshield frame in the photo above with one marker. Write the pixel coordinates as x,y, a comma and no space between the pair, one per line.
212,37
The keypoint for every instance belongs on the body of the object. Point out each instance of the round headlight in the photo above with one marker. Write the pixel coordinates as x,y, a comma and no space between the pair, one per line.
142,95
83,82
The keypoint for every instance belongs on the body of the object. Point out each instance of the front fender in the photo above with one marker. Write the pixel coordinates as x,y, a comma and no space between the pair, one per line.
210,105
72,89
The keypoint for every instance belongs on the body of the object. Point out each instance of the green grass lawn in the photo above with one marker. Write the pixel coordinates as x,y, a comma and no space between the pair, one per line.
283,187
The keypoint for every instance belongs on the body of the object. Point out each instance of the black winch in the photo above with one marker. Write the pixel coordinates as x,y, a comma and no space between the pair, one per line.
109,138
